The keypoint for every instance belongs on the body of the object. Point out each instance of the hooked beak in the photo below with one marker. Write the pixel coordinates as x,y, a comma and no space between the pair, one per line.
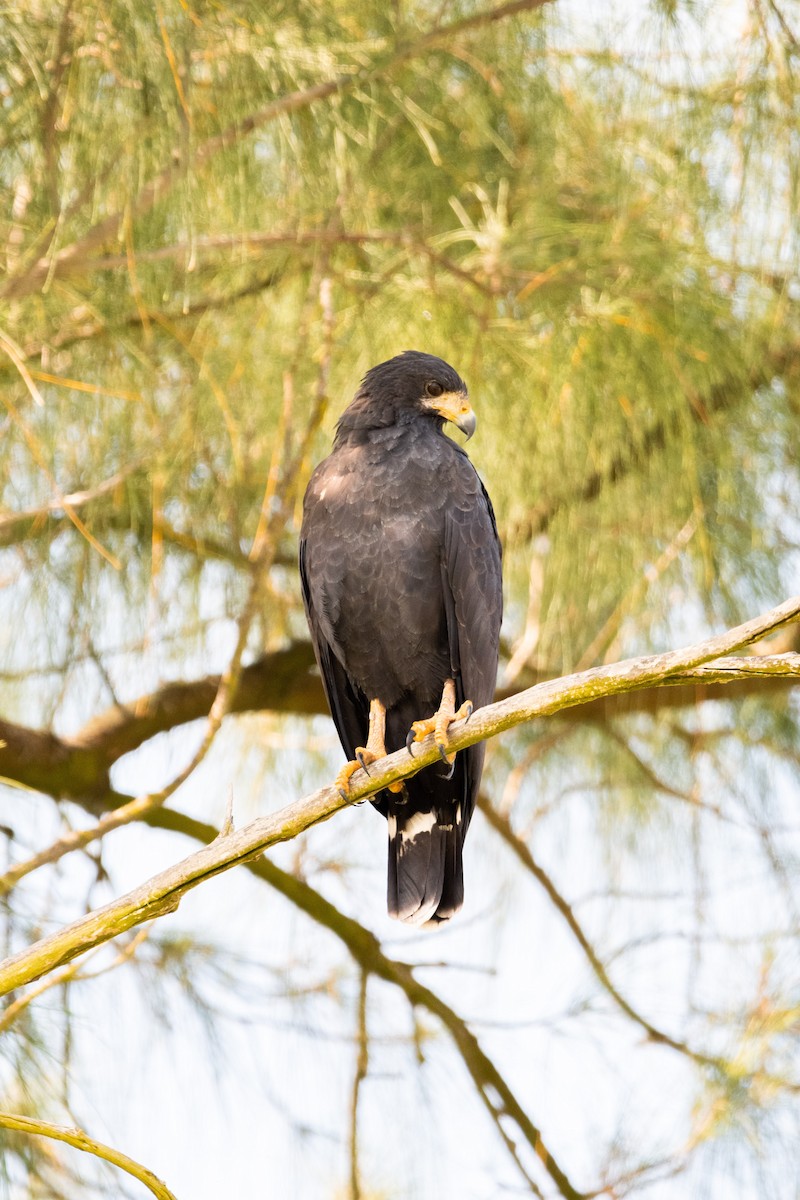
455,407
467,423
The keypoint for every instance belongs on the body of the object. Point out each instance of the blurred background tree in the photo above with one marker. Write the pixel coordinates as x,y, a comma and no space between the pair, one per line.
215,219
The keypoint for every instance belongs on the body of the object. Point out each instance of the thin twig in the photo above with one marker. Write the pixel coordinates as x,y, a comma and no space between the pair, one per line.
9,522
502,825
262,554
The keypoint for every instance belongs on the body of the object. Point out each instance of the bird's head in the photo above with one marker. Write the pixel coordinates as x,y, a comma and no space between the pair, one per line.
407,388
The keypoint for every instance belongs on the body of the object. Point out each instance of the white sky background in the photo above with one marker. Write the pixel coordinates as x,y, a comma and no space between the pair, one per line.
215,1124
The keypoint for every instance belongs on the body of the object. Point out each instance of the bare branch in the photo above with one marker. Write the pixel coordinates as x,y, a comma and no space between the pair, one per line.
284,681
82,1141
164,891
77,768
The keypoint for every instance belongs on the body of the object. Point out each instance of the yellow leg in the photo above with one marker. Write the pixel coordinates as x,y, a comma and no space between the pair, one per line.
374,749
441,721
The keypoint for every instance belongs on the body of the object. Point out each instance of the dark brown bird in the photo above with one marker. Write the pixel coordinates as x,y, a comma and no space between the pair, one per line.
400,564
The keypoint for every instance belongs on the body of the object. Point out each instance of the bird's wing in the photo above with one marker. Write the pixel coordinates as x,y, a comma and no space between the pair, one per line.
473,589
349,706
473,593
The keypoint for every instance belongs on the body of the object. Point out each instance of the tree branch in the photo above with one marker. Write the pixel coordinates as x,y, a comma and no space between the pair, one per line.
360,1074
77,768
82,1141
164,891
502,825
285,681
510,1119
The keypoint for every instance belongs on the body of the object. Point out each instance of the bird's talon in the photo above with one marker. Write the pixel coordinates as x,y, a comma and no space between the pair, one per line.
342,780
361,755
443,755
420,730
410,741
451,772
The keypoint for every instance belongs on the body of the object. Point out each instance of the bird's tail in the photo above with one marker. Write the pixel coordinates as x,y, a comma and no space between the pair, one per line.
426,880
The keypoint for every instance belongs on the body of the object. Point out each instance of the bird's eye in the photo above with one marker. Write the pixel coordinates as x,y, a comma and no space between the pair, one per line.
433,388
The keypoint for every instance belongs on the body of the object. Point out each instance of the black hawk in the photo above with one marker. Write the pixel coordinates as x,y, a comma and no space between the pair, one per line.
401,574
